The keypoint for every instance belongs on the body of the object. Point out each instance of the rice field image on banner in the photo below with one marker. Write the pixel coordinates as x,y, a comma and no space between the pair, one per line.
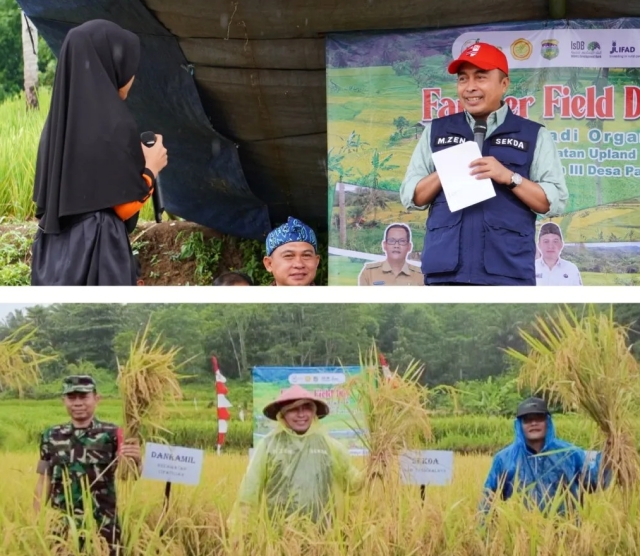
325,383
577,78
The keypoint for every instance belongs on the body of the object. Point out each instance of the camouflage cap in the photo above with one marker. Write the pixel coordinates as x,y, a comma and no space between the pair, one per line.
78,383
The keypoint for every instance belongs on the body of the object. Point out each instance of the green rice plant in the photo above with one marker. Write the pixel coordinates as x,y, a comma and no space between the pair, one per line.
585,362
20,131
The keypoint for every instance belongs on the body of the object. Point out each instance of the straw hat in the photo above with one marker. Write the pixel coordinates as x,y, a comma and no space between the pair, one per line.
294,394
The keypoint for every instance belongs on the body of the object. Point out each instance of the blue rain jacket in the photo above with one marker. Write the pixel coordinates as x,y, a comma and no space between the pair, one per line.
559,465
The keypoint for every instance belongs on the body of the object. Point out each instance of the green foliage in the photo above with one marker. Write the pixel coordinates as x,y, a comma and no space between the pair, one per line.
14,256
10,49
47,63
11,63
456,342
206,253
252,254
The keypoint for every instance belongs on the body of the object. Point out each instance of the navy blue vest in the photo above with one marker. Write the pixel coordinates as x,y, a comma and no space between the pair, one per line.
492,242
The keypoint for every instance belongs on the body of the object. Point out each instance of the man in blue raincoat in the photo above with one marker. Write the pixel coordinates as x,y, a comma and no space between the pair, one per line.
538,464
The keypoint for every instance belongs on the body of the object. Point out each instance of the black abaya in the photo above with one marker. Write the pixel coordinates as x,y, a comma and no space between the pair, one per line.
89,160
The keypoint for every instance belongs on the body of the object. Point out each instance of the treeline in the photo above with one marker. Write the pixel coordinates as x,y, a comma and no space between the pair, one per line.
11,61
455,342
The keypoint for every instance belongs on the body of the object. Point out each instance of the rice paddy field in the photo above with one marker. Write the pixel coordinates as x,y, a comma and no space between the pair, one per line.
389,520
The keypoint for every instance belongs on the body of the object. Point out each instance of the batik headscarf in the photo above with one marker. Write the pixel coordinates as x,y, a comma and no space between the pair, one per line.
293,230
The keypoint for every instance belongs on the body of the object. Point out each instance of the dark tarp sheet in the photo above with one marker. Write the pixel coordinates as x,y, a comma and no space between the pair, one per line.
204,181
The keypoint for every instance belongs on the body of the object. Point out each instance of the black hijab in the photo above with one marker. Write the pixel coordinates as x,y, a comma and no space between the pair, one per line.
90,157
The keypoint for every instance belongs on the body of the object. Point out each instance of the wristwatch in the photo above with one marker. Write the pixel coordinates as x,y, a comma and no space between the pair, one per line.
516,179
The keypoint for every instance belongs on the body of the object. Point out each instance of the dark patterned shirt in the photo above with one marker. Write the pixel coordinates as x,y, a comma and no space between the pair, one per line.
80,460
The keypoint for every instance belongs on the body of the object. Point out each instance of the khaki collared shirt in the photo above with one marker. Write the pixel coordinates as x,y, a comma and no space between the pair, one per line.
380,273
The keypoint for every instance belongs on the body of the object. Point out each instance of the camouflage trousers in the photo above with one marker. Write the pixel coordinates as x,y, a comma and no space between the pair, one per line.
109,530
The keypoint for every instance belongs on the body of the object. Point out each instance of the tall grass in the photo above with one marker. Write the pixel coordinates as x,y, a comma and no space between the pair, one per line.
387,522
20,131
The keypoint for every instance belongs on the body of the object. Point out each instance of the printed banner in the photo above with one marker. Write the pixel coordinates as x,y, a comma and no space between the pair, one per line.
326,383
581,79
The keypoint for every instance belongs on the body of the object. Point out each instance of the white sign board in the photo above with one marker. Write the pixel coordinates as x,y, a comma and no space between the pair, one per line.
426,467
173,464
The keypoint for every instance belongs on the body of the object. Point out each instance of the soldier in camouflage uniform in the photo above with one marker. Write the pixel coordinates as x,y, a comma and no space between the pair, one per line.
81,456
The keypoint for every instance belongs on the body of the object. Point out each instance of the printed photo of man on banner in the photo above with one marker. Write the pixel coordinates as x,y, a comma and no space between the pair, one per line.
551,269
571,83
396,269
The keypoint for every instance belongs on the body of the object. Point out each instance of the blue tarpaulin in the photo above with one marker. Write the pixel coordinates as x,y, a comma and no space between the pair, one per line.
204,181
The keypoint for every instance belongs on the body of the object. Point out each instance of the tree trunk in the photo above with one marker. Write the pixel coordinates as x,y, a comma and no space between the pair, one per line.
30,58
235,354
241,327
342,214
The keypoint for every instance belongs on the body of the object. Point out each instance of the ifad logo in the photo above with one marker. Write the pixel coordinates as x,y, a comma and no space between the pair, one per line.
615,49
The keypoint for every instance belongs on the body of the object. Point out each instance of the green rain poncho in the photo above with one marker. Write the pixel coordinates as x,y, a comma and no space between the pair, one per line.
302,473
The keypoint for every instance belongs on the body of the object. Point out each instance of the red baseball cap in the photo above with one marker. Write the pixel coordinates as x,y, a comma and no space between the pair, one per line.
482,55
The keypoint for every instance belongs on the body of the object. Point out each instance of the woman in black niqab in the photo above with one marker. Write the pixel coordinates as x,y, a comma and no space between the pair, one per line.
90,160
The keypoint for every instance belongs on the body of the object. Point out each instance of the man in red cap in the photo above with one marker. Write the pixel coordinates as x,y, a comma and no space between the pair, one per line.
298,468
492,242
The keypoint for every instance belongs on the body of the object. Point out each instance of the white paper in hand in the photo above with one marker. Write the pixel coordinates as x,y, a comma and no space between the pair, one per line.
461,189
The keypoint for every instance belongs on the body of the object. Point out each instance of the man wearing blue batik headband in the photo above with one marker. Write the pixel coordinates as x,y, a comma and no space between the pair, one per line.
292,255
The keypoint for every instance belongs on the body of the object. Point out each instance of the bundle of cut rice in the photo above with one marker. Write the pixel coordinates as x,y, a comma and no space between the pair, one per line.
391,413
148,383
585,362
19,363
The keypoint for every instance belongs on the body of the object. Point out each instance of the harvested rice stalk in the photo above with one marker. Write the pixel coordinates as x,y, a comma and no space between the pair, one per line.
147,383
585,363
19,363
391,413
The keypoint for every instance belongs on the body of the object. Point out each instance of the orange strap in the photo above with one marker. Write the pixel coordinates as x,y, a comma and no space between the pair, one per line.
127,210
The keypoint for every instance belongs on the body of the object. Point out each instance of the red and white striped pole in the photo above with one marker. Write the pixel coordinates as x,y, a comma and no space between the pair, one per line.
223,404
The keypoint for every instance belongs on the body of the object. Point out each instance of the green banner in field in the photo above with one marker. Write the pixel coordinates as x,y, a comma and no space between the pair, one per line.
326,383
581,79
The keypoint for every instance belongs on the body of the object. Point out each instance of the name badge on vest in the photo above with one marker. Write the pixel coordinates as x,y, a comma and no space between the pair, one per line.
450,140
510,142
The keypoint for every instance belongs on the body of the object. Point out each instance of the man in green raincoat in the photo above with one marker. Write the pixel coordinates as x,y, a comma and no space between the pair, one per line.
298,468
